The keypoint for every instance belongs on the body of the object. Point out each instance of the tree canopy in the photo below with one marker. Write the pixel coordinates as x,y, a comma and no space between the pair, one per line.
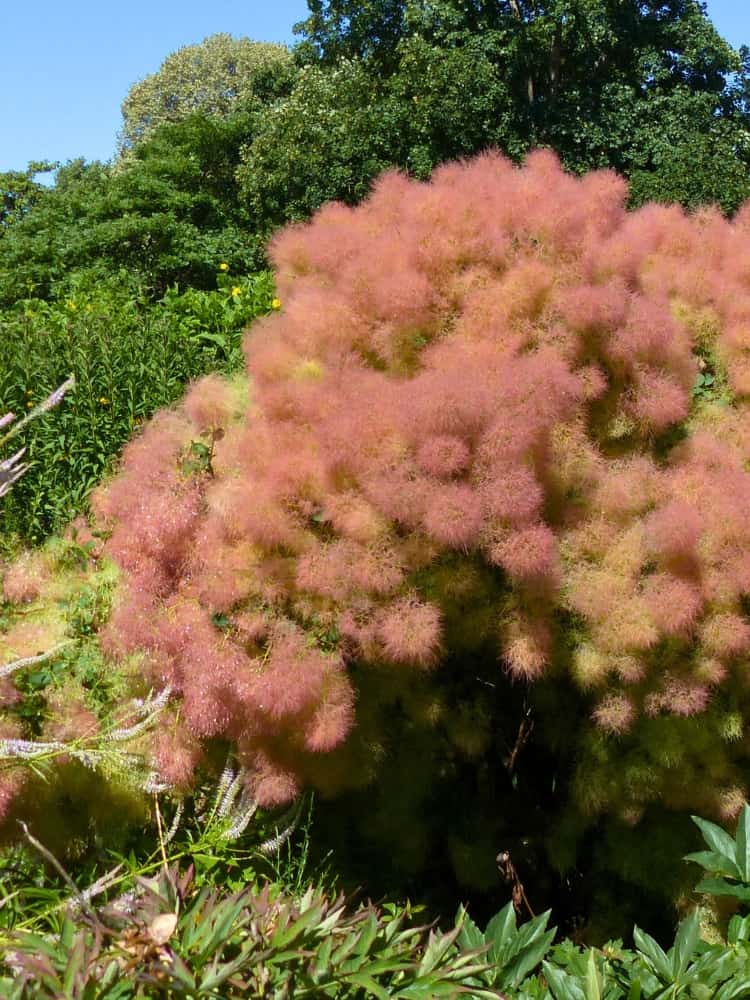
634,85
232,137
212,78
19,191
170,214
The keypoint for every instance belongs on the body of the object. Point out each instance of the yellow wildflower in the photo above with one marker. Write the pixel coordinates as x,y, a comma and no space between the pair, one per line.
276,303
70,304
236,292
29,404
223,266
103,400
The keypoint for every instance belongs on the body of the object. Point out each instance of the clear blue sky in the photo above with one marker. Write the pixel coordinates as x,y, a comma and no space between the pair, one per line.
66,66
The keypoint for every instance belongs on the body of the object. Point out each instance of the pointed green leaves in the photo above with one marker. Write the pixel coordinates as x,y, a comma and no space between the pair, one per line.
716,838
500,931
469,937
739,929
685,945
727,859
654,955
594,982
720,887
512,952
562,986
712,861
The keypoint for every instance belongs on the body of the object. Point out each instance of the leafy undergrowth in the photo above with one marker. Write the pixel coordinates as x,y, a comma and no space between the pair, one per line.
174,927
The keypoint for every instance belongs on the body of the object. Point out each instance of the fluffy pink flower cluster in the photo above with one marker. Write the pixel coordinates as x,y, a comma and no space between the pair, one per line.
497,365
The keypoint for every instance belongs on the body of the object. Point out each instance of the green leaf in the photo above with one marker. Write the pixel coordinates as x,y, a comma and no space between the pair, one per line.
634,993
593,978
720,887
562,986
368,983
179,970
712,861
215,977
470,937
320,970
716,838
67,933
654,955
739,929
344,950
529,956
499,930
76,957
685,944
284,935
376,967
736,989
742,839
368,933
437,947
224,918
213,338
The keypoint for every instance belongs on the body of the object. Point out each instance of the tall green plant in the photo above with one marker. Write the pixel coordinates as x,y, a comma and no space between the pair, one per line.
129,358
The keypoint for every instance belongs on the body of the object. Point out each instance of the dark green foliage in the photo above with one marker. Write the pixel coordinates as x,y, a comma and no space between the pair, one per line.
168,214
648,89
38,249
455,100
344,125
19,192
511,952
707,164
328,140
346,28
727,860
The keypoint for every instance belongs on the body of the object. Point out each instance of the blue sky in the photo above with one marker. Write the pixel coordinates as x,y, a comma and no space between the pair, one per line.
66,66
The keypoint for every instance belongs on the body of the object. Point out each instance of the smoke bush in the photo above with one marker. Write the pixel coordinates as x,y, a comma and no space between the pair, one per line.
471,434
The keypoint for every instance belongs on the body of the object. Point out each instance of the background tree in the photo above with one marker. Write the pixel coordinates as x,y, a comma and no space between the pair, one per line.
212,78
19,191
171,215
345,29
591,78
327,140
38,246
342,125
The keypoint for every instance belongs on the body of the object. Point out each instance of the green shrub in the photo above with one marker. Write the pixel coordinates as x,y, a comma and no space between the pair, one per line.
212,78
169,214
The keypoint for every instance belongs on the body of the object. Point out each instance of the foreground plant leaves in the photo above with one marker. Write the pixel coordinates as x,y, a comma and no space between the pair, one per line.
174,940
